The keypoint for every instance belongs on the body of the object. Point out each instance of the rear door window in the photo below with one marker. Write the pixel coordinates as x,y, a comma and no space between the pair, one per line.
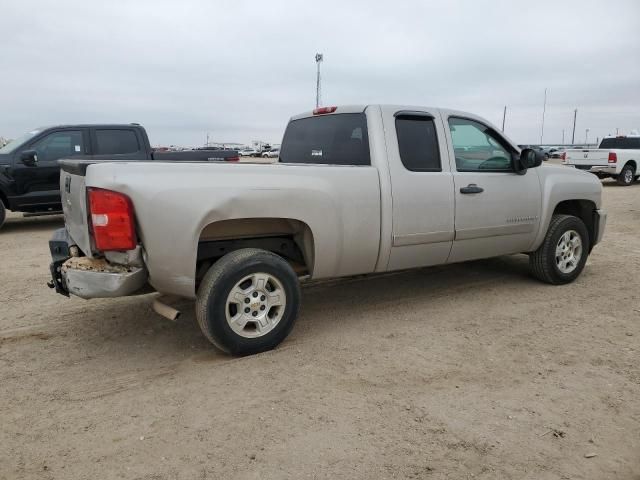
331,139
116,142
417,143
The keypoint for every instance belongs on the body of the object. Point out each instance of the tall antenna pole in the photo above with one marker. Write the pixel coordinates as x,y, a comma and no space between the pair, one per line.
544,109
319,58
504,116
573,135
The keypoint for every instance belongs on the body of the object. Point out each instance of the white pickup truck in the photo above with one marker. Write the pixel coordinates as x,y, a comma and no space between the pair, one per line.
358,190
617,157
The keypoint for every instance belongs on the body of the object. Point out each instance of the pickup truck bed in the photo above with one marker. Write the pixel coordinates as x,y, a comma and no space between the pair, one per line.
358,190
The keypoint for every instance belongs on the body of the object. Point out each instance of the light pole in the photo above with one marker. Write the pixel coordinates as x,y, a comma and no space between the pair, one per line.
544,109
504,116
319,58
573,135
586,136
563,136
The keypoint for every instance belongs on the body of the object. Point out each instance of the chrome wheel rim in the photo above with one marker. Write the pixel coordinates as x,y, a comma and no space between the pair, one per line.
568,251
628,175
255,305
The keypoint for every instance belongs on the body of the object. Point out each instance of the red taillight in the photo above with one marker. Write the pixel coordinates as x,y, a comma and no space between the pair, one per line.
111,220
613,157
563,156
323,110
232,159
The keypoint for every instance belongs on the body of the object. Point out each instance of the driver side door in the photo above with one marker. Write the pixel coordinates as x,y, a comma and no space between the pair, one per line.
497,211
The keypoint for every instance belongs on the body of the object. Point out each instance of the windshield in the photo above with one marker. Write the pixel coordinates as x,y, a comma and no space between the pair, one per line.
13,144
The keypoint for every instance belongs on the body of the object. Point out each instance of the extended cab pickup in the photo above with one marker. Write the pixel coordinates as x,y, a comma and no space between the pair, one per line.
29,170
616,157
358,190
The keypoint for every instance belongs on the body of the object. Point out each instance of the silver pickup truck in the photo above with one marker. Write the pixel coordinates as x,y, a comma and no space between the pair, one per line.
357,190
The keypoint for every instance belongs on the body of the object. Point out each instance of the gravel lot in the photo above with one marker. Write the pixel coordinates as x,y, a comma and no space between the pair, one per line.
466,371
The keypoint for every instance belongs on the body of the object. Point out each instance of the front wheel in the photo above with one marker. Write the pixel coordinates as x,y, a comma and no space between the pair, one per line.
3,214
626,176
248,301
563,253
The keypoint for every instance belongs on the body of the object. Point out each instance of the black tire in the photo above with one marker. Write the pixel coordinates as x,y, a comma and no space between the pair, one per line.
222,277
543,262
625,178
3,214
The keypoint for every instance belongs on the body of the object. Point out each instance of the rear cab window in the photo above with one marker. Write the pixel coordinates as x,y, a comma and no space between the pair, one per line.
337,139
621,143
116,142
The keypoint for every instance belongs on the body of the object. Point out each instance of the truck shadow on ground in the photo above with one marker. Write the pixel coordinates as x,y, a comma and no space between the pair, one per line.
130,323
32,224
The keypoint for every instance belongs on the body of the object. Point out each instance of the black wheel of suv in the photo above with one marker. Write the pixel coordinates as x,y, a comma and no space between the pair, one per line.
3,214
626,176
248,301
563,253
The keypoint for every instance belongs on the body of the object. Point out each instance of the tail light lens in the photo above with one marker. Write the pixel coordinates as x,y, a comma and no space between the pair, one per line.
613,157
563,155
111,220
233,159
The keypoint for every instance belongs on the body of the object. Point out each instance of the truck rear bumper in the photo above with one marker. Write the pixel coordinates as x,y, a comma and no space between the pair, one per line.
95,278
606,169
90,277
600,219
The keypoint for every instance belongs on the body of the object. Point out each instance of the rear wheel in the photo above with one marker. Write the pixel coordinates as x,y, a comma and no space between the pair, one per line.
248,301
563,253
627,175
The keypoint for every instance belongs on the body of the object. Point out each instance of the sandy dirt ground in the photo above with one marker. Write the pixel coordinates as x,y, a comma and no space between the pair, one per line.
466,371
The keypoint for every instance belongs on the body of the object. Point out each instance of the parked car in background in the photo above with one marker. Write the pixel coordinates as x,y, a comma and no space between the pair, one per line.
556,152
617,157
358,190
541,150
247,152
29,170
274,153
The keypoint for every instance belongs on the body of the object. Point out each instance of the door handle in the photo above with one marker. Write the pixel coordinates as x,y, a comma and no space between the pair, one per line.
472,188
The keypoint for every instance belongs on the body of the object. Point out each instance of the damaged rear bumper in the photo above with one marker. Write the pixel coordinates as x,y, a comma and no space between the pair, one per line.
91,277
95,278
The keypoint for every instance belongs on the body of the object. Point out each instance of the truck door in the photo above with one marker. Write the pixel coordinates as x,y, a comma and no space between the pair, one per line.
497,211
421,188
40,184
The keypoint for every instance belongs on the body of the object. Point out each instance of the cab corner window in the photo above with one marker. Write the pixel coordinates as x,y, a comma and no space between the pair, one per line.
477,147
418,143
116,142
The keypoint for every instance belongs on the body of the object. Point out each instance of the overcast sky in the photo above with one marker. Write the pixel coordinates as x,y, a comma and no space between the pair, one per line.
239,69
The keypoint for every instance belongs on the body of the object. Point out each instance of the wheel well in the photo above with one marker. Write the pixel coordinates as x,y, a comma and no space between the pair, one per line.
289,238
584,210
632,162
4,200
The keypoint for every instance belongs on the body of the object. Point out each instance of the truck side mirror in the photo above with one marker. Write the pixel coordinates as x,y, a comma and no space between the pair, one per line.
29,158
528,158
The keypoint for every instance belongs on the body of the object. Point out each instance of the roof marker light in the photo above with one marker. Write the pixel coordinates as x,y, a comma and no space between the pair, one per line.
324,110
